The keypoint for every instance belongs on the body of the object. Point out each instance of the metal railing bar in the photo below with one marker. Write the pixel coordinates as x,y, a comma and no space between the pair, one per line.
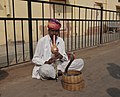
14,26
37,29
71,28
82,36
13,8
23,41
68,37
79,31
101,17
63,23
93,40
43,18
109,23
30,28
85,26
88,35
6,38
91,29
96,30
75,35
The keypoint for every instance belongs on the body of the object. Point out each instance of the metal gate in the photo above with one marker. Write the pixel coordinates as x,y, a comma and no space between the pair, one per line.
82,27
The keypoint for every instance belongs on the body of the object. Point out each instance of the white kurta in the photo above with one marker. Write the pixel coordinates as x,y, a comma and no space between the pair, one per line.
43,53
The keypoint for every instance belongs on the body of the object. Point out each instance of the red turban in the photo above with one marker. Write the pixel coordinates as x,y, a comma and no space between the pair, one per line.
54,24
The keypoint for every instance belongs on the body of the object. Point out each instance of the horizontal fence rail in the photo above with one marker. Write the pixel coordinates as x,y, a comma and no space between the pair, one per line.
82,27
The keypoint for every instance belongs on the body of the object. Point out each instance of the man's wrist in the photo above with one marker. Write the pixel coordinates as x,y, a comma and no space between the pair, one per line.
60,56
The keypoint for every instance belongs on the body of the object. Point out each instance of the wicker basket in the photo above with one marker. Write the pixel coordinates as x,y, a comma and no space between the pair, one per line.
73,80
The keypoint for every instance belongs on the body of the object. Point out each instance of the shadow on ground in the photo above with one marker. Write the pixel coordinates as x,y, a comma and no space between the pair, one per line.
114,70
113,92
3,74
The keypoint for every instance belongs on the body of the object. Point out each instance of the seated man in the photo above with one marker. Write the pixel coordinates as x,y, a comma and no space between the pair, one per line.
44,59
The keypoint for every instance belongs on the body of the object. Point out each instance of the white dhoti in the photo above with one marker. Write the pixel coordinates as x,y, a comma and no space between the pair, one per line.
47,71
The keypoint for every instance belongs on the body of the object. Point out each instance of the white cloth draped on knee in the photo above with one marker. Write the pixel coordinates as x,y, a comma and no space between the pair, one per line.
46,70
35,72
77,64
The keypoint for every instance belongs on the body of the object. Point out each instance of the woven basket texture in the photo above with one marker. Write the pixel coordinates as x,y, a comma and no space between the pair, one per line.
73,80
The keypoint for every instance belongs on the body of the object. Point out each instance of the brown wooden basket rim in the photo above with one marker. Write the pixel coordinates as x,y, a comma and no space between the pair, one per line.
78,73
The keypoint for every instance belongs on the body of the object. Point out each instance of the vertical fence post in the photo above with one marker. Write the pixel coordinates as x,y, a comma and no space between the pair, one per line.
101,25
30,29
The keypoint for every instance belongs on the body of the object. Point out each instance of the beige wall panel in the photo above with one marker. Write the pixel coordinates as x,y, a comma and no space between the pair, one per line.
36,10
2,8
20,8
2,33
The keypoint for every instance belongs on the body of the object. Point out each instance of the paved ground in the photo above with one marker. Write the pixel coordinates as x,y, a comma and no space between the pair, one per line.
101,75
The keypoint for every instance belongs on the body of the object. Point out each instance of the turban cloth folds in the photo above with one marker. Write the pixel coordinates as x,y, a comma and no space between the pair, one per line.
54,24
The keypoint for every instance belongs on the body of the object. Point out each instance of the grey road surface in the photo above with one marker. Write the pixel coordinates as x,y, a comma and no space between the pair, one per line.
101,74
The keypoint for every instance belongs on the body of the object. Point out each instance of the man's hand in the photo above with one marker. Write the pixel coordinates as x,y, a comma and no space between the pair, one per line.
58,55
50,61
53,59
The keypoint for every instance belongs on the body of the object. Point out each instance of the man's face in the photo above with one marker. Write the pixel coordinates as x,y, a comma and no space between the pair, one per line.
53,32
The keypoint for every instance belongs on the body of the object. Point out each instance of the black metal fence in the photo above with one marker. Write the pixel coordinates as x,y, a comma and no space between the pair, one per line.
81,27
